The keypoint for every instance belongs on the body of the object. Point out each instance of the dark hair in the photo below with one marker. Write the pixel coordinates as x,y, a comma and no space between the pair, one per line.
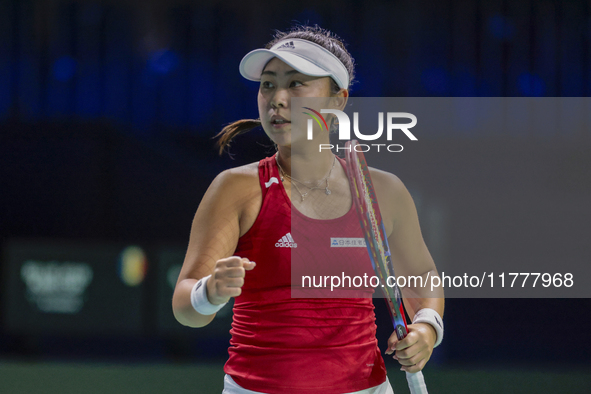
317,35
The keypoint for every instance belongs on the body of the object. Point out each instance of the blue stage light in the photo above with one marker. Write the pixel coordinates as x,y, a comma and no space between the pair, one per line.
531,85
435,80
64,68
163,61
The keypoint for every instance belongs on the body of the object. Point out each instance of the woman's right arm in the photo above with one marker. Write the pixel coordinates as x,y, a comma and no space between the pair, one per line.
214,236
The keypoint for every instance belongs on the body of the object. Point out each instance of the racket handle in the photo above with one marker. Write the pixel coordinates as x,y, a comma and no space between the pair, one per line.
416,383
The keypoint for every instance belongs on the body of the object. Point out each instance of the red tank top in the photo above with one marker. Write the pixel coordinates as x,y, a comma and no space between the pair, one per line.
282,344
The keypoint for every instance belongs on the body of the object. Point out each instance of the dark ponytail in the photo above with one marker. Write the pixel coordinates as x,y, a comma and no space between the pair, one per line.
234,129
316,34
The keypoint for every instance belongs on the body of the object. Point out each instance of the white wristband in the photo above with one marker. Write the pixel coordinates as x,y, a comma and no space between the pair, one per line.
430,316
199,298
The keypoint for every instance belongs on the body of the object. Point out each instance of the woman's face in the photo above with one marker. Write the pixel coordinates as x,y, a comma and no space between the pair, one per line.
279,83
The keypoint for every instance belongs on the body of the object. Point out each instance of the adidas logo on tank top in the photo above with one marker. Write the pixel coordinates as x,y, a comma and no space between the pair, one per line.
286,242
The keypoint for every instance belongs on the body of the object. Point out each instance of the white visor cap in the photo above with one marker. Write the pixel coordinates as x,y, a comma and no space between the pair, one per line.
303,55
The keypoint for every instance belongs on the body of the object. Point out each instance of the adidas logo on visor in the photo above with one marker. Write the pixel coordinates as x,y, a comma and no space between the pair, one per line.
286,242
287,45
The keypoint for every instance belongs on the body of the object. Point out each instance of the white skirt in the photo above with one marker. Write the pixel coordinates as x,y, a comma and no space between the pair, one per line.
231,387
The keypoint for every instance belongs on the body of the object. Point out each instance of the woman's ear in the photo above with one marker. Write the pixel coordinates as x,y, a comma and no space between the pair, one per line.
339,100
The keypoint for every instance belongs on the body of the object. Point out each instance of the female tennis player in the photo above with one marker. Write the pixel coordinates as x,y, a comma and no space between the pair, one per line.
241,243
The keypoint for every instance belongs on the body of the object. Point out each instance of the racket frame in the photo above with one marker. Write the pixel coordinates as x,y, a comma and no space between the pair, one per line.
368,211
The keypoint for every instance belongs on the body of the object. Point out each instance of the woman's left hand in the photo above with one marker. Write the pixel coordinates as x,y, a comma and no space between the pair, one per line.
415,349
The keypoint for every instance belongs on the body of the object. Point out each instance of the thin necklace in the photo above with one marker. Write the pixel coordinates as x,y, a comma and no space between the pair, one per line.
303,195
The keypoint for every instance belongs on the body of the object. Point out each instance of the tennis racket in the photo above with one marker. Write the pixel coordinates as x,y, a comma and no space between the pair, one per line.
366,203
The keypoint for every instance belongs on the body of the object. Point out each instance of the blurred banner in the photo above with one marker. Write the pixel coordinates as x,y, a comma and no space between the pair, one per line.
53,287
66,287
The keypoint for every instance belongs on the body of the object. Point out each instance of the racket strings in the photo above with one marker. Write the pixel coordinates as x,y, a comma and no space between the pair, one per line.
375,235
